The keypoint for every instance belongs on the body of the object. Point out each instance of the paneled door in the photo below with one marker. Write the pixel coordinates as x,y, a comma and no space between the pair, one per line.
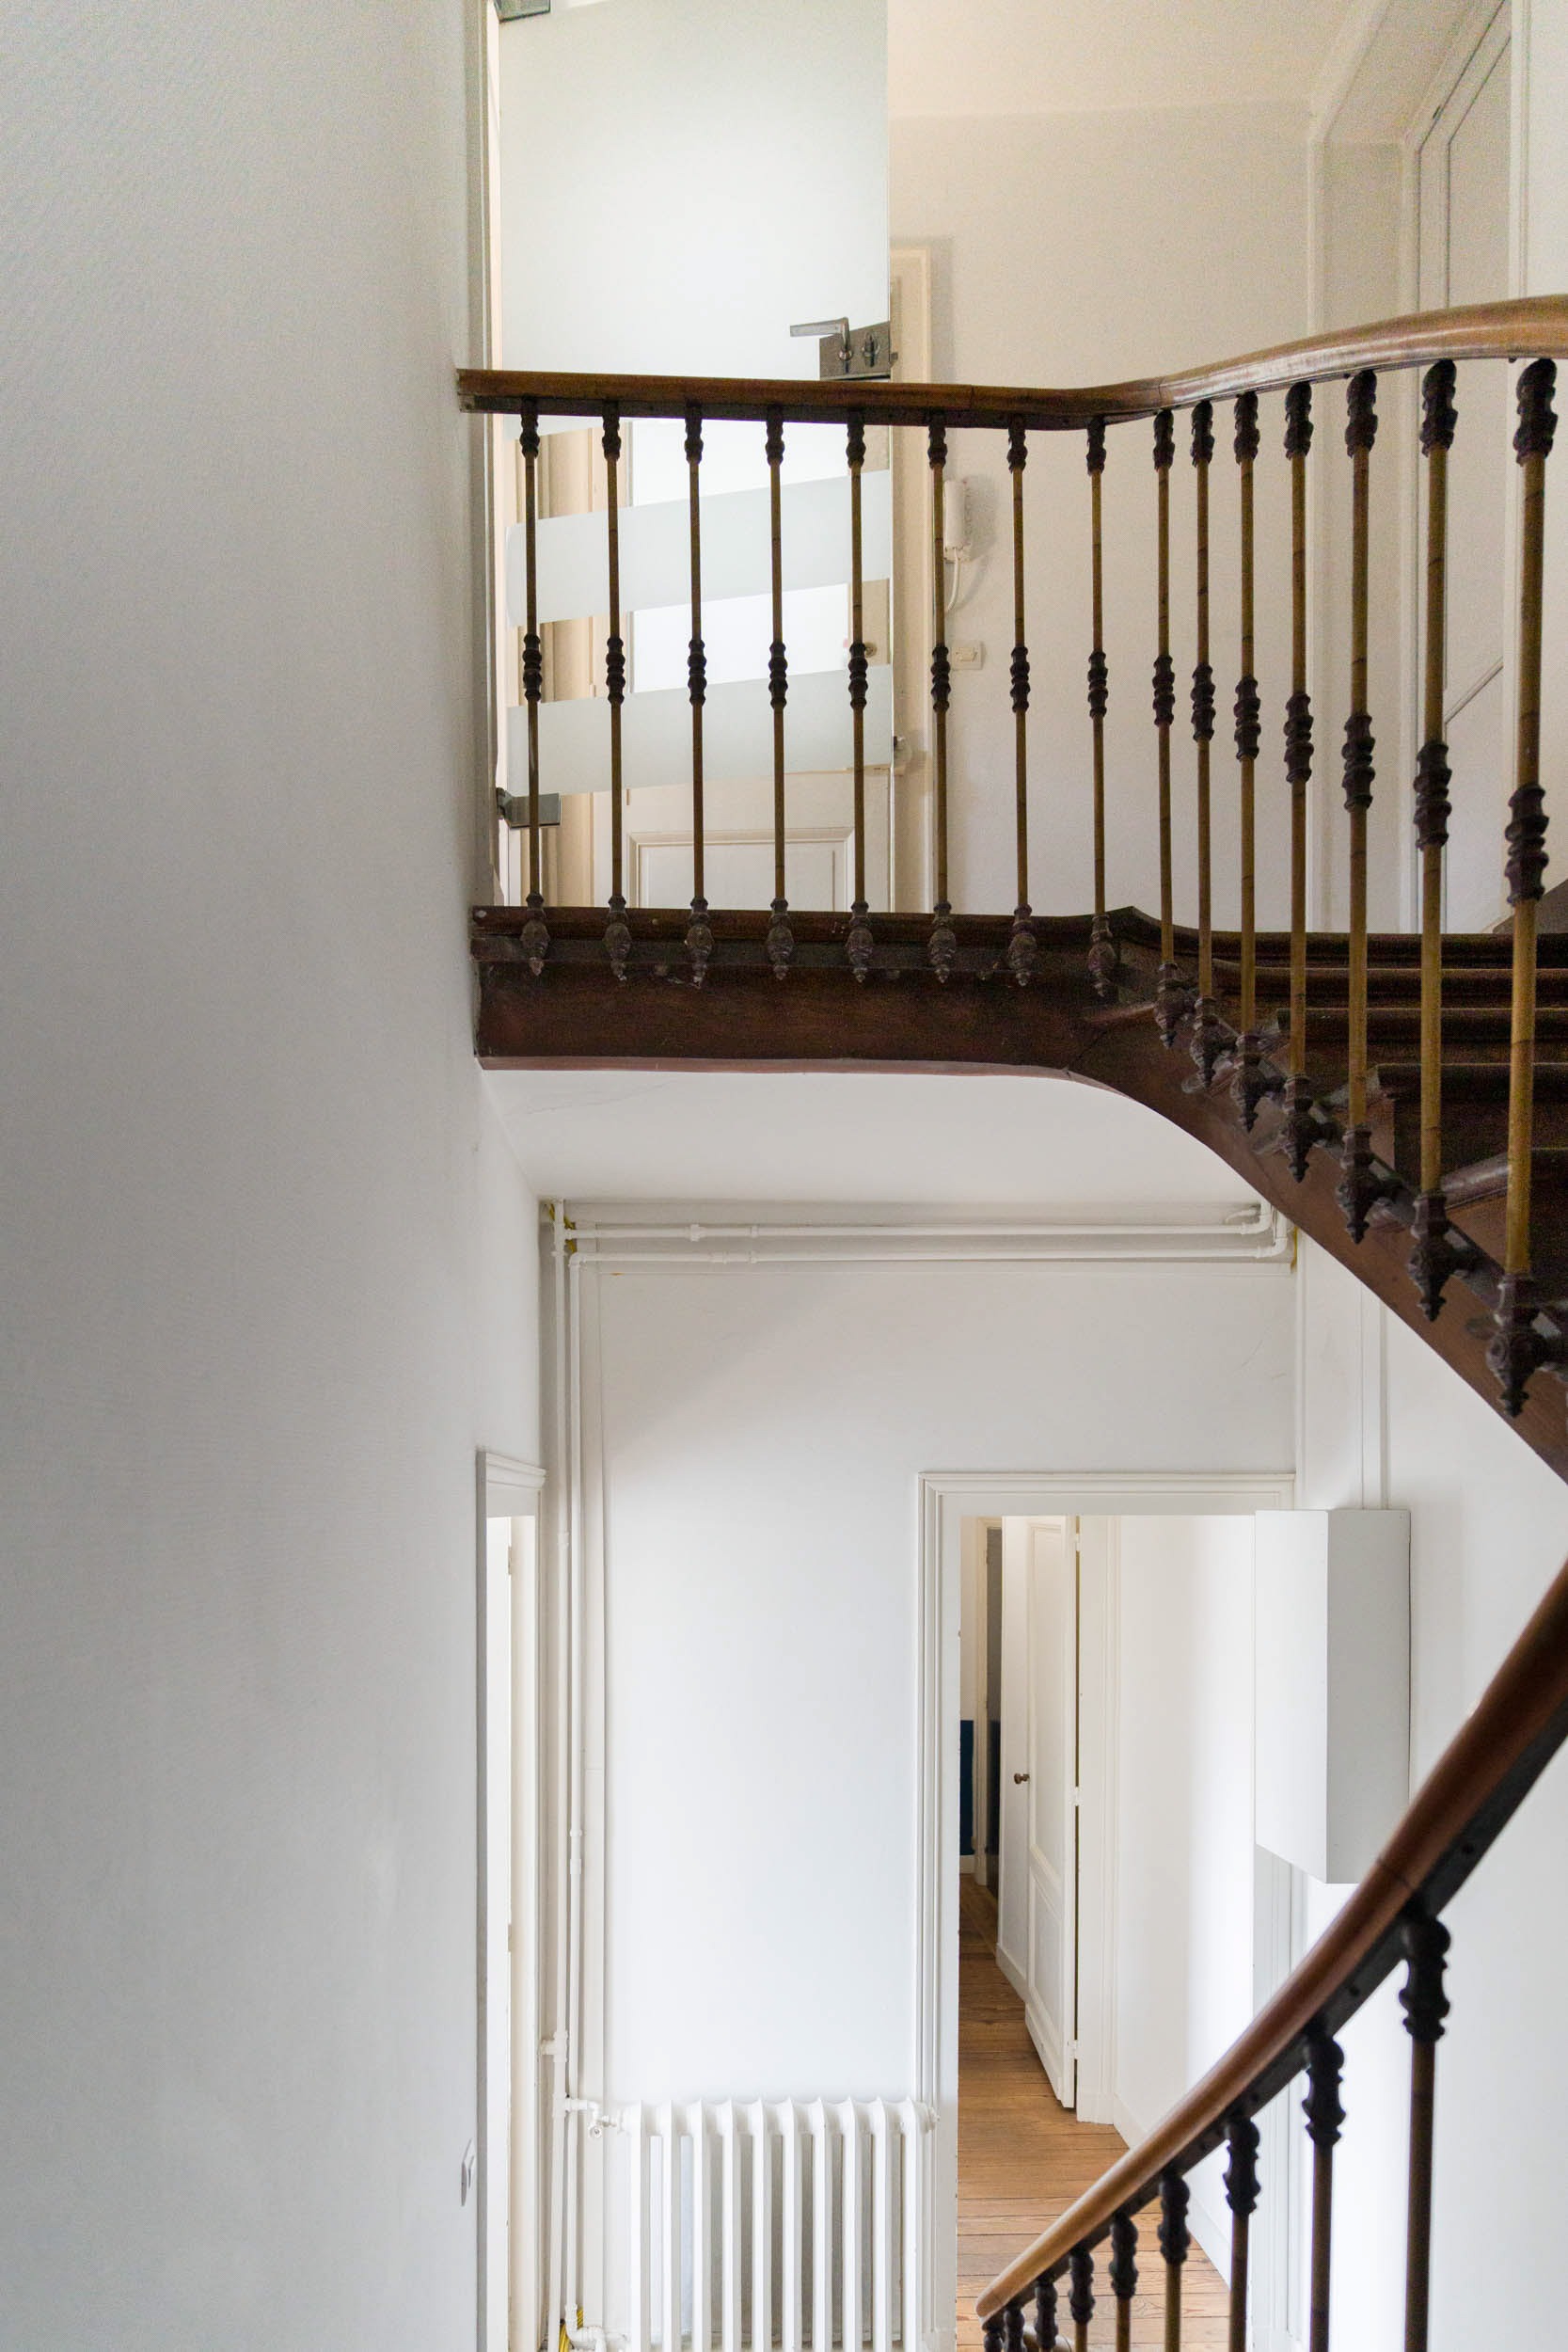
1037,1900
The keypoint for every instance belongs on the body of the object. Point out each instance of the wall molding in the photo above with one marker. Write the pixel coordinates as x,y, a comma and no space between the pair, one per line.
509,1488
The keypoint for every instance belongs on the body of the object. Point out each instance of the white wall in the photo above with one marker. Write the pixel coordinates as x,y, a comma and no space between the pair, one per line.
1183,1831
267,1264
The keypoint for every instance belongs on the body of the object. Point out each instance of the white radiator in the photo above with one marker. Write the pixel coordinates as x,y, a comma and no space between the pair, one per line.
788,2223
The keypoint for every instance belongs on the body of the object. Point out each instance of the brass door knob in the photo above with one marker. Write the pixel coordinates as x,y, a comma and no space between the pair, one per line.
1019,1778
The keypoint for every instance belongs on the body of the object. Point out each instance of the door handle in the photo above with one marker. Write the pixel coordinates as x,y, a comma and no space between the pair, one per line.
1019,1778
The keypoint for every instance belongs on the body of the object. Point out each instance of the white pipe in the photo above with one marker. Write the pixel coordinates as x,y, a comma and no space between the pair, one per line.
557,2045
929,1257
574,1959
999,1229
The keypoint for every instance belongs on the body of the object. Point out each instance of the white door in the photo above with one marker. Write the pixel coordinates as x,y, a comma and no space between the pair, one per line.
1037,1900
1464,249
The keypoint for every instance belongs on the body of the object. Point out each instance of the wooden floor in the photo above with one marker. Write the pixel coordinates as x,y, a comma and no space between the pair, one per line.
1022,2158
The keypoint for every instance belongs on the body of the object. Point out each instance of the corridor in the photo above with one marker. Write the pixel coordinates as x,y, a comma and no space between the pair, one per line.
1022,2158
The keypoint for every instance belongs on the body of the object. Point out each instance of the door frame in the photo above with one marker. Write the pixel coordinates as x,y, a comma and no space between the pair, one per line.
945,1500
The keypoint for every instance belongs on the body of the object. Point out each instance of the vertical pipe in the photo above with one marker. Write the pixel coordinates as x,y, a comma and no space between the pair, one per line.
1517,1348
729,2241
1324,2115
762,2228
1358,1187
1103,954
1080,2296
1425,2006
1249,1057
789,2230
617,931
1300,1128
1124,2275
1433,1255
850,2328
1171,997
1175,2245
1206,1028
821,2229
636,2251
702,2233
781,938
1021,948
911,2247
943,944
671,2246
1241,2192
881,2231
858,942
535,938
698,936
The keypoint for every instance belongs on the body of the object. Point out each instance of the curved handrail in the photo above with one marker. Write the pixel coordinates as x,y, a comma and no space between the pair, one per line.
1535,328
1471,1793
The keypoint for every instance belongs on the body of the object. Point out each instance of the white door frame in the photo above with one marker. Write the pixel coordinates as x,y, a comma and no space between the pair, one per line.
946,1499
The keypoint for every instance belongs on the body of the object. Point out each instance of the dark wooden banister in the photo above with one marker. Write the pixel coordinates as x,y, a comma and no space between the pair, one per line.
1465,1801
1536,327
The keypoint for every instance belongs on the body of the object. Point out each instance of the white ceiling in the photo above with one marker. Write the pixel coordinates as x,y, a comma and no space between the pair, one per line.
1069,57
850,1136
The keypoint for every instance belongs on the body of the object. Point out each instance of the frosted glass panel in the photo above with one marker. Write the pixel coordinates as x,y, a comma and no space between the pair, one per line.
735,457
737,735
737,636
740,873
655,551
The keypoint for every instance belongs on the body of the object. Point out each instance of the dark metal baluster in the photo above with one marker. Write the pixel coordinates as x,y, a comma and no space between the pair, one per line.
699,937
1175,2245
1045,2314
781,938
1425,2006
1517,1346
1241,2192
617,938
1171,997
1012,2328
1358,1187
1081,2295
858,945
1208,1038
1324,2115
1022,948
1124,2275
1249,1073
1103,954
944,945
1433,1255
536,941
1300,1127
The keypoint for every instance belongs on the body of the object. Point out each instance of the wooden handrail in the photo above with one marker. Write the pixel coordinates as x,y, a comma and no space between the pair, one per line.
1468,1797
1536,327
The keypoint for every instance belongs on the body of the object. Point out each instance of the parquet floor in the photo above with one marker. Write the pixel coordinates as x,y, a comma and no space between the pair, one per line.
1022,2158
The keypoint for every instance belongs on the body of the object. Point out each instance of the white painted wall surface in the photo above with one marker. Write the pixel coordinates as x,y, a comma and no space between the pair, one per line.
1184,1862
268,1262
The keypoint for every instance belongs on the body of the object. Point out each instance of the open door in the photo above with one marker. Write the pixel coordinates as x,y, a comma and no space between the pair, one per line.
1038,1934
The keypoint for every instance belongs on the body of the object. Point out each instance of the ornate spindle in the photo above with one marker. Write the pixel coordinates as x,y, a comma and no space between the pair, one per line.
1171,998
1518,1346
1045,2316
994,2332
1103,954
1249,1088
1240,2193
1081,2295
781,938
617,938
1022,948
1208,1036
944,945
1359,1187
1012,2326
1324,2115
859,945
1433,1255
699,937
1175,2241
1300,1127
1124,2275
536,935
1425,2006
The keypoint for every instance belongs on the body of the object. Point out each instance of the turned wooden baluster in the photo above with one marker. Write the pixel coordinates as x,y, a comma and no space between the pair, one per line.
1045,2314
1103,954
1324,2115
1241,2192
943,944
1299,1126
781,938
699,937
535,937
1081,2295
1175,2245
1022,948
617,938
1171,997
1124,2275
1012,2326
1249,1052
859,945
1434,1254
1518,1346
1425,2006
1208,1030
993,2334
1359,1188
